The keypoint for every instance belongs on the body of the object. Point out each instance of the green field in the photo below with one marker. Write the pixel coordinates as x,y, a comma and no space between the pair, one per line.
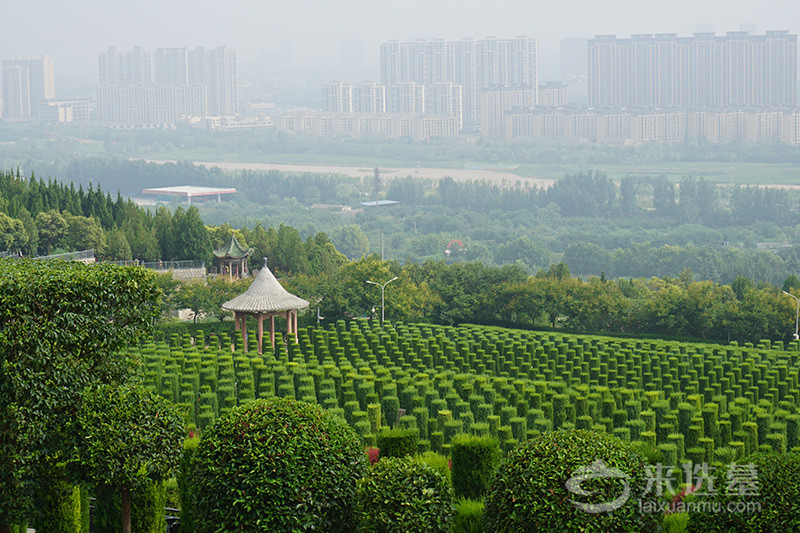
691,402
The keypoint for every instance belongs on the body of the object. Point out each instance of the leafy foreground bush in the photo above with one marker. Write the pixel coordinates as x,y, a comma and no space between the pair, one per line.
437,461
402,494
529,492
276,464
769,504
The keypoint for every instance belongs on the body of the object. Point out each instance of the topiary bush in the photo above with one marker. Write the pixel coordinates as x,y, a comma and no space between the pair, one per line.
398,442
474,462
184,489
529,492
276,464
468,517
402,494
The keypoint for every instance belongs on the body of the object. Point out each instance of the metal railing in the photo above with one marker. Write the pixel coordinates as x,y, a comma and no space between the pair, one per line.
162,265
71,256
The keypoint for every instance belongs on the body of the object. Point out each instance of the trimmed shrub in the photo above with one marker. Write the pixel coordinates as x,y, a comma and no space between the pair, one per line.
184,490
468,517
474,462
57,506
277,464
403,494
398,442
529,492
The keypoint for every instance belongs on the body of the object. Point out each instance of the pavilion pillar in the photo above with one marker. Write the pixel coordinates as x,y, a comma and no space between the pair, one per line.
272,330
243,328
260,332
294,313
236,317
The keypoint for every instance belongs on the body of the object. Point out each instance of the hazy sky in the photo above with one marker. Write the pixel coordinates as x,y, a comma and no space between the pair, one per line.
74,31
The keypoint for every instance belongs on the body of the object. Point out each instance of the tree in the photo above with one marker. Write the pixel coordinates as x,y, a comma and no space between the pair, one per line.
117,248
129,436
52,230
791,283
191,239
351,241
207,298
165,235
377,184
62,325
84,233
531,253
12,233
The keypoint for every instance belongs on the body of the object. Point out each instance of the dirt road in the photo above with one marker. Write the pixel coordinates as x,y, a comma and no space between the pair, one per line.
458,174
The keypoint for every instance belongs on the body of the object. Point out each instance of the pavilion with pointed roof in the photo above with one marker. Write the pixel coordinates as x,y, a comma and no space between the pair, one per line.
265,298
232,259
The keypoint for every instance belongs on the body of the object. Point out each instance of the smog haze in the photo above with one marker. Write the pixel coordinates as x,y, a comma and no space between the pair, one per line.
318,34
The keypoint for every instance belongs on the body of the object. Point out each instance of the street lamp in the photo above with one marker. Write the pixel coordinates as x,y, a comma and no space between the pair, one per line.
383,287
797,316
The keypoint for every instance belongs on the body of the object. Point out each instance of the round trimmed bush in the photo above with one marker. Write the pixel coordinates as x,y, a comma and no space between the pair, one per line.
276,464
770,504
529,491
403,494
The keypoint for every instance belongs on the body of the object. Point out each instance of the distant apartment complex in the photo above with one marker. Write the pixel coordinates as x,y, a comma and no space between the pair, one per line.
704,70
415,126
441,99
643,126
166,86
26,83
664,88
474,65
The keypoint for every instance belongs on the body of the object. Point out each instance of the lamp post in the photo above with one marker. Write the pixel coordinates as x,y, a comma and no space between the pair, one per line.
383,287
797,316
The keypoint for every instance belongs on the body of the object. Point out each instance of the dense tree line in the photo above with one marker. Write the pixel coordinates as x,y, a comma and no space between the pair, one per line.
473,293
255,143
648,296
40,218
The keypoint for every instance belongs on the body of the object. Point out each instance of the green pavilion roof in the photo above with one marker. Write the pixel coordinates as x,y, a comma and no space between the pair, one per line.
232,250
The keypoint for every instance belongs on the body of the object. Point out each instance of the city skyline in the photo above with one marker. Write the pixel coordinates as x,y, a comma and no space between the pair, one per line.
322,35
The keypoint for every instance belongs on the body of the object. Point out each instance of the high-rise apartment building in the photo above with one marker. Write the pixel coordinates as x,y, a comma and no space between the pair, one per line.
366,97
25,84
475,65
704,70
222,81
163,87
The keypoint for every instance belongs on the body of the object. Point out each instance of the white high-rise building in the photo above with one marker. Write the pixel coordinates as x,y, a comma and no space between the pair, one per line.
25,84
704,70
166,86
475,65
